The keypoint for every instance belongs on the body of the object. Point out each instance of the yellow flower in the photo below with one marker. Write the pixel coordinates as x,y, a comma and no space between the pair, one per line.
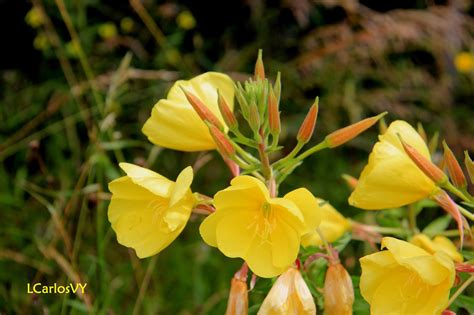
439,243
186,20
34,17
175,125
391,179
147,210
288,296
333,225
264,231
406,280
107,30
464,62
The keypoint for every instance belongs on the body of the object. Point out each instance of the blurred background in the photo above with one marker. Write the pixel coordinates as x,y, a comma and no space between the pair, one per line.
78,79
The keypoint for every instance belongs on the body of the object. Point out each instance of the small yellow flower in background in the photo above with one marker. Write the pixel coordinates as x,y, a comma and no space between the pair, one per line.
147,210
107,30
186,20
173,56
72,49
41,41
175,125
264,231
391,179
464,62
34,17
439,243
289,295
333,225
127,24
406,280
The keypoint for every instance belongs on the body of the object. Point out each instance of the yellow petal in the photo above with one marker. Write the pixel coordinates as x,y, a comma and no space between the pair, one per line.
285,244
235,232
174,124
308,205
181,187
149,180
390,178
260,260
444,244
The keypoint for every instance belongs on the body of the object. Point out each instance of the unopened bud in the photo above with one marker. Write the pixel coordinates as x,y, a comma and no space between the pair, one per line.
425,165
464,267
226,112
224,146
238,303
244,106
455,171
348,133
202,110
421,132
382,126
273,113
433,144
350,181
469,166
338,291
259,68
277,87
444,201
254,117
307,127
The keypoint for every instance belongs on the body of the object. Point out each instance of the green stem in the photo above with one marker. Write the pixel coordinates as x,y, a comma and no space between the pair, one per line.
320,146
291,155
457,192
412,219
461,289
466,213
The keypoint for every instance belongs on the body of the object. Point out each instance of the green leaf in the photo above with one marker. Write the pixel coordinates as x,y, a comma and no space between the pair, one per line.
465,302
437,226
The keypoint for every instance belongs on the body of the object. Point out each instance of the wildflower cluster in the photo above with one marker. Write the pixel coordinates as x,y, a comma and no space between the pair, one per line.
269,232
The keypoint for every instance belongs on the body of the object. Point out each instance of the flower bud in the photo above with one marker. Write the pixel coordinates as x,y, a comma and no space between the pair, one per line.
350,181
425,165
469,166
307,127
348,133
465,267
254,117
273,113
226,112
202,110
277,87
421,131
455,171
259,68
244,106
338,291
238,297
225,147
444,201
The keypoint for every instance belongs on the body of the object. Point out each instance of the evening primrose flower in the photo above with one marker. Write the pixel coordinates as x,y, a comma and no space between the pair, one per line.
438,243
333,225
464,62
406,280
174,124
264,231
289,296
147,210
391,179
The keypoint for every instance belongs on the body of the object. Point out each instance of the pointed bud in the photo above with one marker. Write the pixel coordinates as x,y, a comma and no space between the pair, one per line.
348,133
421,132
244,106
259,68
202,110
225,147
455,171
226,112
277,87
350,181
238,303
469,166
464,267
448,312
433,144
425,165
254,117
382,126
273,113
444,201
338,291
307,127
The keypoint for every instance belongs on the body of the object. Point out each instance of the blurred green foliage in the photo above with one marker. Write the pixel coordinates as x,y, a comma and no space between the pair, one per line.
73,104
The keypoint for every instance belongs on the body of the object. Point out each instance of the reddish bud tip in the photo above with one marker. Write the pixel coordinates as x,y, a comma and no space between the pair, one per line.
259,68
444,201
348,133
469,166
307,127
226,112
223,144
273,113
455,171
350,181
425,165
464,267
202,110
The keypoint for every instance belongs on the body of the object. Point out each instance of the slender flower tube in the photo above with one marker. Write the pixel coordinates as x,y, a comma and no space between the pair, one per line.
147,210
289,296
391,179
174,123
439,243
264,231
406,280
